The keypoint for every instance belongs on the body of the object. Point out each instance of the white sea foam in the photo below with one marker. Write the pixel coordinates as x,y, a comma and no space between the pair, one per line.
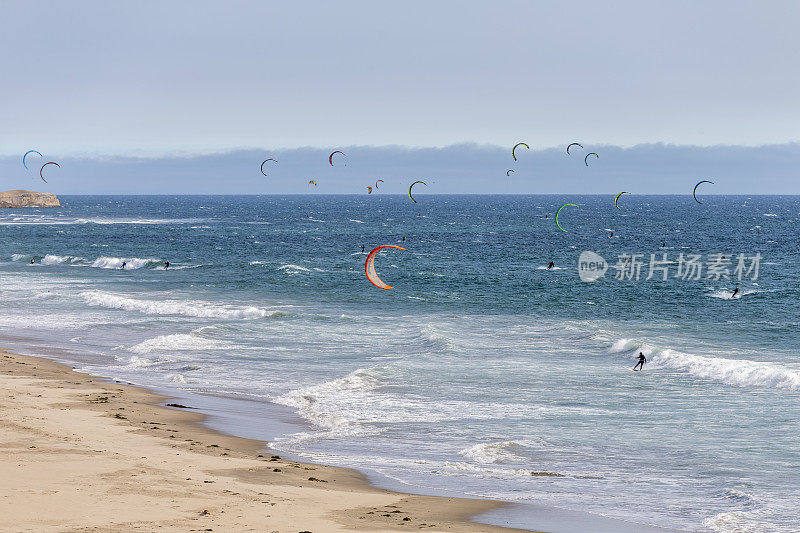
432,334
358,404
293,269
179,342
725,294
192,308
40,220
312,405
739,522
356,221
58,259
496,452
736,372
133,263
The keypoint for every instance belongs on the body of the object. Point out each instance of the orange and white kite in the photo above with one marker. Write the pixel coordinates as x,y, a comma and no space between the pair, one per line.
369,267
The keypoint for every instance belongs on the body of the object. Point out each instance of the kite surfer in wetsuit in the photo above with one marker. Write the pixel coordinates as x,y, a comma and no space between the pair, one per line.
640,364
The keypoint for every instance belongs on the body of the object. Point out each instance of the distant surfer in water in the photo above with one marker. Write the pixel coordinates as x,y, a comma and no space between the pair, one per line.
404,237
663,244
640,363
123,265
610,234
551,265
31,260
166,265
735,292
362,248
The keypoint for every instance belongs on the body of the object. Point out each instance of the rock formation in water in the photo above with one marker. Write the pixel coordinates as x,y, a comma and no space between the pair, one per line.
28,199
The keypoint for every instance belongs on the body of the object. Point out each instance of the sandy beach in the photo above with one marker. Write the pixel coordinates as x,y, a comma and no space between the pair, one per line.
84,454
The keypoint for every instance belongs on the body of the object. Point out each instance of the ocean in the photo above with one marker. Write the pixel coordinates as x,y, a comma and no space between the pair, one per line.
482,372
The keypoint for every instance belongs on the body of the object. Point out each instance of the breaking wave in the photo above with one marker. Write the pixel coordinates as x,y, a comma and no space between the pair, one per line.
736,372
191,308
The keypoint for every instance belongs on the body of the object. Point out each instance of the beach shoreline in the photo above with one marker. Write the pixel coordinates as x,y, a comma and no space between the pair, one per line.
84,452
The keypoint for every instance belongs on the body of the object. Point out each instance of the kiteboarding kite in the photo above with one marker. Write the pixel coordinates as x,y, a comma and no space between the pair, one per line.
573,144
557,212
377,182
41,169
694,192
617,198
515,147
330,157
26,155
265,162
586,159
369,267
508,172
312,181
409,189
369,189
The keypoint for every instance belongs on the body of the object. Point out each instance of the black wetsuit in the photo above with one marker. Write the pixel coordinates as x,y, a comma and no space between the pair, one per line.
735,292
642,361
166,265
551,265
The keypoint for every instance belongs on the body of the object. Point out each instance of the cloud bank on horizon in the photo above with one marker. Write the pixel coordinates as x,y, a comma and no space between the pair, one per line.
457,169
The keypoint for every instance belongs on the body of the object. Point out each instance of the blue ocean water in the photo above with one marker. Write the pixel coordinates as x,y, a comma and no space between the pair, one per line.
482,372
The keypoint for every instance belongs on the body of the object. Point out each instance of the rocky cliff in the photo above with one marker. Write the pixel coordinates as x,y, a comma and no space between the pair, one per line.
28,199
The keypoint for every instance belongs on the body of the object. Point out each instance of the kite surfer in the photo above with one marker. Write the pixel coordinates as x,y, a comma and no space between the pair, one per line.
362,248
123,265
31,260
166,265
551,265
640,364
735,292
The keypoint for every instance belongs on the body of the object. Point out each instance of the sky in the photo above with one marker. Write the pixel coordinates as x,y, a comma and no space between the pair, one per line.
189,79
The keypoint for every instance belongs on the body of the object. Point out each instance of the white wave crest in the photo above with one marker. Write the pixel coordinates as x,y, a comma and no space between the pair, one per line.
494,452
50,259
132,263
293,269
177,307
738,372
432,335
623,345
314,403
178,342
738,522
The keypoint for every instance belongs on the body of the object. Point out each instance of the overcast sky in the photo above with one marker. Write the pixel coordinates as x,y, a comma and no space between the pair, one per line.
159,77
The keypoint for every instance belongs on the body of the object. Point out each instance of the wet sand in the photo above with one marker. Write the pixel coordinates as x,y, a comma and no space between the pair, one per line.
81,453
